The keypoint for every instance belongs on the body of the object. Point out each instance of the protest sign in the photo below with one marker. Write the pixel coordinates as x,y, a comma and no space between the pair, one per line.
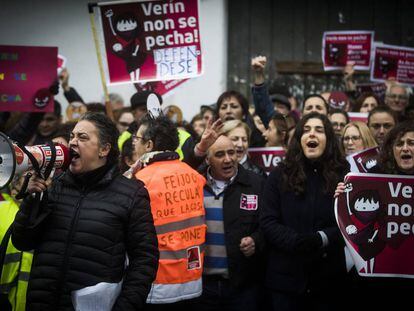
341,47
358,116
267,157
393,62
375,216
364,160
378,89
151,40
26,74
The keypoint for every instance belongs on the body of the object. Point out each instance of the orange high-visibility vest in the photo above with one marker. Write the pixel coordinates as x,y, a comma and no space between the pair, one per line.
176,196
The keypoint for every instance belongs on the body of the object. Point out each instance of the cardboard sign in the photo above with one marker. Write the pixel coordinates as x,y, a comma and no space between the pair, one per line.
375,216
395,62
363,161
358,116
341,47
26,73
163,88
151,40
378,89
267,157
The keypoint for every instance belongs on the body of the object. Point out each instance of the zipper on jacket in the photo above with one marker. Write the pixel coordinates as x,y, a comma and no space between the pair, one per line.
64,267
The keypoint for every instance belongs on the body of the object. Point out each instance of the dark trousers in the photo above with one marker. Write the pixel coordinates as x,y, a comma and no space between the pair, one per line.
219,295
309,301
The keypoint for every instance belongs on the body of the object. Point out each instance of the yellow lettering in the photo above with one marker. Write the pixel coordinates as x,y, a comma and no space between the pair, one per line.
1,76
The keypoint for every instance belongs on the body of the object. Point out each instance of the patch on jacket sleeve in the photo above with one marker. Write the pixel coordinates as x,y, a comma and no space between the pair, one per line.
193,258
249,202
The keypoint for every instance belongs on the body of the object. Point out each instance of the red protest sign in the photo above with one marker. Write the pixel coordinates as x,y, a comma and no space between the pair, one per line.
364,160
396,62
151,40
378,89
267,157
375,216
358,116
342,47
26,73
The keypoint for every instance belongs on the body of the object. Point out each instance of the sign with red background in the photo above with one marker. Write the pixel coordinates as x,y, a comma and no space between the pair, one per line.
341,47
267,157
375,216
151,40
393,62
26,73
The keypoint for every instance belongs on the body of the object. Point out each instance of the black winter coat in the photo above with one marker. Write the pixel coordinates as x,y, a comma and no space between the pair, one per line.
285,218
239,223
84,238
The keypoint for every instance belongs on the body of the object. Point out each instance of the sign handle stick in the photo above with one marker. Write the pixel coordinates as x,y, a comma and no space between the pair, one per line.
108,106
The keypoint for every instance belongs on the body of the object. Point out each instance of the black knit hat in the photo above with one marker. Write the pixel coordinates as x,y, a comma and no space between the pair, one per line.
139,99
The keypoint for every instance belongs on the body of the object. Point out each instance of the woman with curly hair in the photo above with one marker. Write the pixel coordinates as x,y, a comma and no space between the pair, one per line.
306,267
397,153
397,158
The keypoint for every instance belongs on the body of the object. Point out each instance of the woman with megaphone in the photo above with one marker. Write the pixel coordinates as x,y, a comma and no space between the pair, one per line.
93,235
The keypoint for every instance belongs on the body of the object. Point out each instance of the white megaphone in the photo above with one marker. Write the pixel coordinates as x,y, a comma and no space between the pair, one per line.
13,160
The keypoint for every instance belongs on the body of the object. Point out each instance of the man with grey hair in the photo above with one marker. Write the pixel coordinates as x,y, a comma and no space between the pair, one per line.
117,102
233,259
396,98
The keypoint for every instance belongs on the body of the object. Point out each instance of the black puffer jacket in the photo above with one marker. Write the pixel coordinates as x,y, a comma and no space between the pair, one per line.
84,238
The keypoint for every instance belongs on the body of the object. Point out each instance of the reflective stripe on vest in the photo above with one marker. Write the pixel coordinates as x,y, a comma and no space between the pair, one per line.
123,138
176,196
169,293
182,137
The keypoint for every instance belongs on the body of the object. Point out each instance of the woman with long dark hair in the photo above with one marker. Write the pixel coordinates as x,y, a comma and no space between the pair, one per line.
306,260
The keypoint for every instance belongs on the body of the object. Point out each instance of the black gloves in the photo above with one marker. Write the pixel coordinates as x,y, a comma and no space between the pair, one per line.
309,243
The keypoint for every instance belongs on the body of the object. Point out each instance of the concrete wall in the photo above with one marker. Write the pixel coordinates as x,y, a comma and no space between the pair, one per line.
66,24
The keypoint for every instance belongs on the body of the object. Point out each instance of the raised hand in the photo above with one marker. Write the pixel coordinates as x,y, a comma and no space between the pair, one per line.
210,135
258,66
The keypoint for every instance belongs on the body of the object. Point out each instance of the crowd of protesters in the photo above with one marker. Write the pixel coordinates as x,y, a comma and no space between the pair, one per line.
175,214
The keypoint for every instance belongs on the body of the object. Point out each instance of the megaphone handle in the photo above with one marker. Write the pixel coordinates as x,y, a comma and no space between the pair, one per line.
51,163
23,189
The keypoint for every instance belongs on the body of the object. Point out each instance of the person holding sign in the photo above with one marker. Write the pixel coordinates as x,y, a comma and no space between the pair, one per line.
396,158
306,266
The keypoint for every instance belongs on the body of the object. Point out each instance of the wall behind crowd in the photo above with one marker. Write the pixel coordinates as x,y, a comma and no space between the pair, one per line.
66,24
290,33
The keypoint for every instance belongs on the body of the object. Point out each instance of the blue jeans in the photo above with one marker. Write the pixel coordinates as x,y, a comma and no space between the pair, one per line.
219,295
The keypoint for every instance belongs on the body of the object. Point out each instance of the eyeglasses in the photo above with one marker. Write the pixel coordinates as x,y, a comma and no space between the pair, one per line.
397,96
135,137
353,138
